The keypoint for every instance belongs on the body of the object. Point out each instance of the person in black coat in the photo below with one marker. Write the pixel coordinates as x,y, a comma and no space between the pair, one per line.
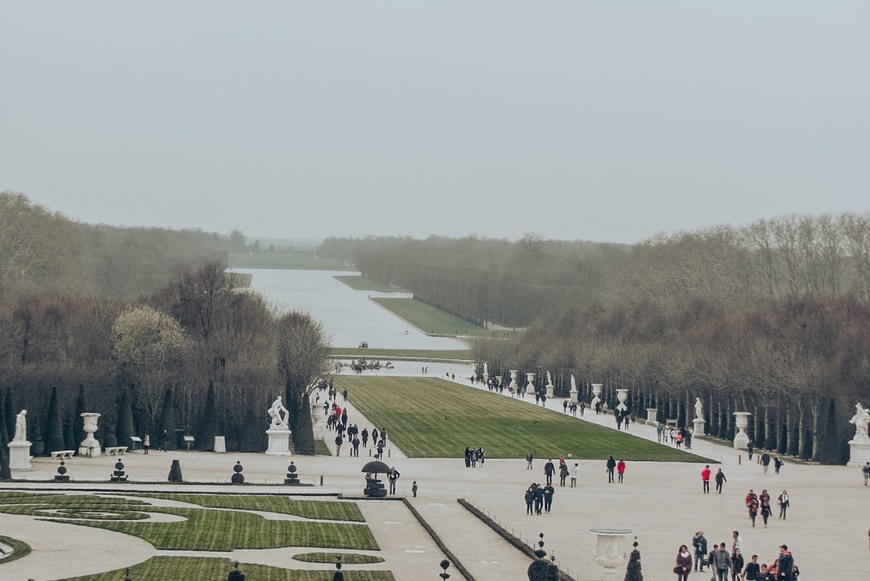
611,466
549,491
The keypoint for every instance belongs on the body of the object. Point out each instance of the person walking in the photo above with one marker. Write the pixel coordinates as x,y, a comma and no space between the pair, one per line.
539,499
414,489
393,476
620,469
749,448
699,543
683,564
563,473
338,442
705,478
765,462
530,498
720,562
549,491
783,504
736,564
736,543
720,480
777,464
549,470
752,505
611,466
529,459
575,474
764,503
146,442
752,570
785,567
866,471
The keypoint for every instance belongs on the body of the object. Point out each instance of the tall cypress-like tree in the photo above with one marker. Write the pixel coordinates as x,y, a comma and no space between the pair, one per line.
54,425
69,438
5,471
166,436
124,427
207,425
304,443
633,572
10,416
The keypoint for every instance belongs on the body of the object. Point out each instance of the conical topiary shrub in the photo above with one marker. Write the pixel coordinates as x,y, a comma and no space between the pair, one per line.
633,572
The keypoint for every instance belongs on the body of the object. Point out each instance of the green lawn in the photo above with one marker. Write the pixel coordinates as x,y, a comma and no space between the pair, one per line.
209,569
430,320
364,283
317,509
286,261
433,418
418,354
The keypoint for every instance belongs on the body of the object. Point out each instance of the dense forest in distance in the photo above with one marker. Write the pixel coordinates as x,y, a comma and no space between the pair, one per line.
771,318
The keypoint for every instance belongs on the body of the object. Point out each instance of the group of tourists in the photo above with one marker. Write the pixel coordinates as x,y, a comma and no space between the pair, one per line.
614,466
679,437
705,479
760,503
337,420
571,407
539,498
732,566
473,457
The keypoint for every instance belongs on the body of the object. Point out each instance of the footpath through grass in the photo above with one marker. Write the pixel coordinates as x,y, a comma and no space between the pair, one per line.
364,283
430,320
434,418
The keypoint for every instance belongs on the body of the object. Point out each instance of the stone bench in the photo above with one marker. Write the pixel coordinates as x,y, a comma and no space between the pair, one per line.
63,454
116,450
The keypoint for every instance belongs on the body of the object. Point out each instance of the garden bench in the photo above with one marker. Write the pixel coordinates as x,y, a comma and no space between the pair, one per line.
63,454
116,450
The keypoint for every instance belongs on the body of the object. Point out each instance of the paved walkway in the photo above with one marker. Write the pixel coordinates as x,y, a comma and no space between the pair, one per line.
662,502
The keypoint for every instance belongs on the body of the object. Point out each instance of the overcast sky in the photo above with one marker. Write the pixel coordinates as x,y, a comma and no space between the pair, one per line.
606,121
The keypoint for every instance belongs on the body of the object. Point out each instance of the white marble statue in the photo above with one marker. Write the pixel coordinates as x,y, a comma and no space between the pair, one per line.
485,368
549,379
21,426
699,409
573,384
861,419
279,414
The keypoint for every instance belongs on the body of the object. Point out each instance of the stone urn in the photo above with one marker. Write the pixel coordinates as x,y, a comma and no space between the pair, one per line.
318,418
741,421
609,550
90,446
530,383
622,396
596,395
515,373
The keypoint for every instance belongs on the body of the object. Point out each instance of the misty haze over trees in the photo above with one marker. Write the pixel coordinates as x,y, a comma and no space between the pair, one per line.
145,327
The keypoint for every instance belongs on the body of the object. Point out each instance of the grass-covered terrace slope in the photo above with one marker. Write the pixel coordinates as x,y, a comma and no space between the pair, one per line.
434,418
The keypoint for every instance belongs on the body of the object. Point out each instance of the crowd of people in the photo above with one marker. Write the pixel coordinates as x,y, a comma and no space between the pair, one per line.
473,457
732,566
679,437
337,420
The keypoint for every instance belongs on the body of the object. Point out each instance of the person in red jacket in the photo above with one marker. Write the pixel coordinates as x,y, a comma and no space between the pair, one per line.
705,478
620,469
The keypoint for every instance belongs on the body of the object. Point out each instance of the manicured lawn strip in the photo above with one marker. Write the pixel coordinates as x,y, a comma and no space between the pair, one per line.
225,530
419,354
19,549
364,283
346,558
210,568
73,506
318,509
428,319
286,261
433,418
321,449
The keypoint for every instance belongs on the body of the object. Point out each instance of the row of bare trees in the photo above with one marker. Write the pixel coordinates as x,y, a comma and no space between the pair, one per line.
797,365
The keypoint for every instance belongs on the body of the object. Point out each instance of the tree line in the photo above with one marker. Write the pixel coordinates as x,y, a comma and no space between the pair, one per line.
195,354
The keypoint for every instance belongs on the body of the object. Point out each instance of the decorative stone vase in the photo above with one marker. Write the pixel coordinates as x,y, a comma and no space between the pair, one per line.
90,446
609,551
741,421
596,394
318,418
514,374
622,396
530,384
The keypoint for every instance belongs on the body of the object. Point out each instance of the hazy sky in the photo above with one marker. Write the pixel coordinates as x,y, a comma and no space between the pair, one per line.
601,120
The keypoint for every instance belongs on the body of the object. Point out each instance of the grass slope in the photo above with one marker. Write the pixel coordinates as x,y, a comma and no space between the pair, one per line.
428,319
210,568
433,418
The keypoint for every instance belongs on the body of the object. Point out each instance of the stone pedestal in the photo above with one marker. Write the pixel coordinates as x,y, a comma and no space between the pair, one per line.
698,432
859,453
610,552
741,420
90,446
550,390
574,394
19,455
651,414
220,445
279,442
486,378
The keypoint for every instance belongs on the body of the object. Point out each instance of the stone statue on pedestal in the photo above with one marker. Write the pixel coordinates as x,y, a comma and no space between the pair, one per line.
699,408
279,414
573,384
21,426
861,419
